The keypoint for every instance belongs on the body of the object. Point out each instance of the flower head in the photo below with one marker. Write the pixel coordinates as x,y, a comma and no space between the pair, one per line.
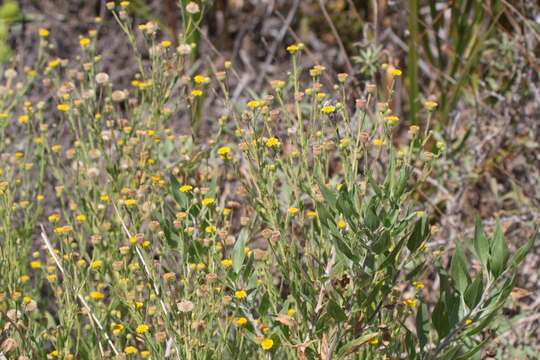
208,201
42,32
273,142
293,211
240,294
267,344
142,329
240,322
328,109
130,350
224,152
185,188
201,79
253,104
84,42
96,295
63,107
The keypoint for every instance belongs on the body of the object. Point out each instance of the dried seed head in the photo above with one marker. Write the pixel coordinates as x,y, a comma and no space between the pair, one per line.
102,78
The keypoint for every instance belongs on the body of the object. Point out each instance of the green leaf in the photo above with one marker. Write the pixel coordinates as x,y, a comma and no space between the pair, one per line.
371,218
469,354
249,268
336,311
382,243
481,243
374,185
265,304
422,326
499,252
238,254
440,319
473,294
419,234
523,251
343,247
352,345
459,270
402,182
450,354
328,195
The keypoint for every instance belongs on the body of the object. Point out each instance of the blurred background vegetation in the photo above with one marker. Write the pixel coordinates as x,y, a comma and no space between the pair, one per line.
478,59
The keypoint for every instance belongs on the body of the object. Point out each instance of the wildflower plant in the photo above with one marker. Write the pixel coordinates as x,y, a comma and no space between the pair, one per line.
293,229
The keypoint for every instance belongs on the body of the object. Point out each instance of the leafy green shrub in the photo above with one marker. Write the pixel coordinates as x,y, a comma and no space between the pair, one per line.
291,230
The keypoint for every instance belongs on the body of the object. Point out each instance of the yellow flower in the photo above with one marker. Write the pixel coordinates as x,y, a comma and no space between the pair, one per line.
24,278
468,322
226,263
277,84
210,229
374,341
97,295
166,43
396,72
117,329
36,264
293,211
341,224
201,79
96,264
54,63
295,48
343,143
311,214
391,119
378,142
23,119
54,354
430,105
145,354
267,344
224,152
208,201
273,142
142,329
130,202
410,302
241,322
63,107
240,294
130,350
185,188
81,218
253,104
413,130
418,284
42,32
84,42
328,109
197,93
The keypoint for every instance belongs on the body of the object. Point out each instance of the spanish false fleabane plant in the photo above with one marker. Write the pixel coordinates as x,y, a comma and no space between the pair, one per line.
350,240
